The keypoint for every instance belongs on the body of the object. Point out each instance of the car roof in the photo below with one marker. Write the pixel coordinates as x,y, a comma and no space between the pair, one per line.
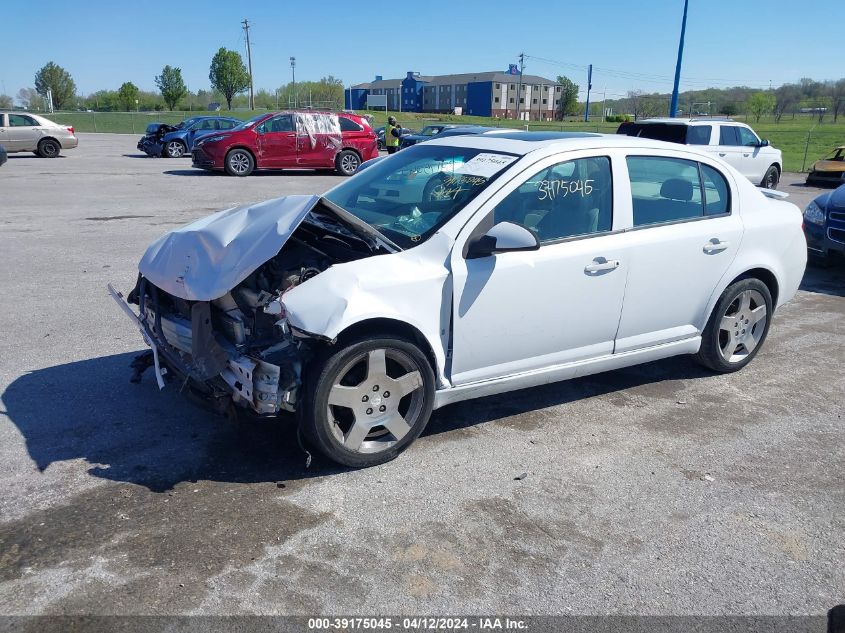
687,121
522,143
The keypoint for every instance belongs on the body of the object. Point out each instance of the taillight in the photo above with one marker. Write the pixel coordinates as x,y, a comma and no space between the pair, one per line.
70,129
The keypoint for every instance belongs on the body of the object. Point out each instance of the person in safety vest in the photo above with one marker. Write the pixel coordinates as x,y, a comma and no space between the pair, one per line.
392,133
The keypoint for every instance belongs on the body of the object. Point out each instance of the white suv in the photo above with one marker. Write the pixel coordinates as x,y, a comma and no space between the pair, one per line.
735,143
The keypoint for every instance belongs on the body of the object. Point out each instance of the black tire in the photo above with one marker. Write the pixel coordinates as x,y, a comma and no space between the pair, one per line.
48,148
174,149
772,178
347,162
239,162
715,339
352,435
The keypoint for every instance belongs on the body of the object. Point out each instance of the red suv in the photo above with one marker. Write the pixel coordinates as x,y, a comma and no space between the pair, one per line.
284,140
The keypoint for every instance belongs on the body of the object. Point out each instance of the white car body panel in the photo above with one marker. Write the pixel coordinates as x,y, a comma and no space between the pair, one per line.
519,319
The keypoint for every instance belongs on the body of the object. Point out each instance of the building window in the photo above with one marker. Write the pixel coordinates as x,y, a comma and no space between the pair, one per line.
557,101
545,88
498,86
534,101
544,101
496,100
521,100
557,88
511,87
511,100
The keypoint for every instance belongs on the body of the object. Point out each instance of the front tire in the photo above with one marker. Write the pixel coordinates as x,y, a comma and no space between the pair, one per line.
737,327
175,149
365,402
239,162
347,162
772,178
48,148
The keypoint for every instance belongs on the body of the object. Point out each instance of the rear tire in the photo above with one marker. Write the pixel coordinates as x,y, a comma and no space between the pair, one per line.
772,178
737,328
366,401
48,148
347,162
239,162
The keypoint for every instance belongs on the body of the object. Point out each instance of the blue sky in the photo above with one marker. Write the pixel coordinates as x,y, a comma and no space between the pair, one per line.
753,42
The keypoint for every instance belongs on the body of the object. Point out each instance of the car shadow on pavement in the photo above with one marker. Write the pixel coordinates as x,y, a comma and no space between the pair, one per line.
828,281
131,433
517,403
264,173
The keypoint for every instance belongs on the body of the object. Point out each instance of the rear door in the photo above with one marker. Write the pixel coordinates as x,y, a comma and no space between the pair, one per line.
685,233
23,133
277,142
4,135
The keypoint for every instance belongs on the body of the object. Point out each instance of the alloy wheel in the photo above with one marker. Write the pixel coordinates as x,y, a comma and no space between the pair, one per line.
349,163
175,149
376,400
742,326
239,162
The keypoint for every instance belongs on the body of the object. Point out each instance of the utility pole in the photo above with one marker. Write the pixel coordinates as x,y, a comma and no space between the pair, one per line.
249,61
673,107
589,87
293,71
519,88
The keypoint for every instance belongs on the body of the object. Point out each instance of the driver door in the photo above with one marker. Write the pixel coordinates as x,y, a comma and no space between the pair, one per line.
523,311
277,142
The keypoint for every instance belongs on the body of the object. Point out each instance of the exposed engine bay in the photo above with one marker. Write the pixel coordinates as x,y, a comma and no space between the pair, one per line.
151,143
239,347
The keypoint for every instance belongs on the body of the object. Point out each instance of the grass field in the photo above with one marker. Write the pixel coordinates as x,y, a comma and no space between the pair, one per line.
790,135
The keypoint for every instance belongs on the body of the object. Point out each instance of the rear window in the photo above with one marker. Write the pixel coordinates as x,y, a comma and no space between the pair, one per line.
699,134
670,132
348,125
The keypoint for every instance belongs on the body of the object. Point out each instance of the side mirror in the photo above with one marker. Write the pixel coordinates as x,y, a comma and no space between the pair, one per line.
764,142
505,237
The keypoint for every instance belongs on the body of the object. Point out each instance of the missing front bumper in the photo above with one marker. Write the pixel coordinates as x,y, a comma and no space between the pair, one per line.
249,381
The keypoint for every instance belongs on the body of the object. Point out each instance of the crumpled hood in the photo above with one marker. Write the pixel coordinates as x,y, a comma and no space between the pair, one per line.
208,257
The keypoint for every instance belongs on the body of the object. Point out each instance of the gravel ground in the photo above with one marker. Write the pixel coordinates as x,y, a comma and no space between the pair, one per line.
660,489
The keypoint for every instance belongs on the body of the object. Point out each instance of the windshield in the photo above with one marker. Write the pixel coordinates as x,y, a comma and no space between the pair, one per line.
250,122
410,195
185,124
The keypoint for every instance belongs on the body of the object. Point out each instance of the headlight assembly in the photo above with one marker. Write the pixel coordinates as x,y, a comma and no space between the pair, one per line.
814,214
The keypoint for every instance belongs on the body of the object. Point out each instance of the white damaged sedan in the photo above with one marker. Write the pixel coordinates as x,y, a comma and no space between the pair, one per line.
460,268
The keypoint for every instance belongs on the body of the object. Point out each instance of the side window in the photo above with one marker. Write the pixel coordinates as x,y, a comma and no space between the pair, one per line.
565,200
283,123
223,124
747,137
728,135
717,196
20,120
699,134
664,189
348,125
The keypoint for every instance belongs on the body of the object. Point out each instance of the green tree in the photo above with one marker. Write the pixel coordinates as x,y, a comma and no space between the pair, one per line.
172,85
5,102
228,74
760,103
568,103
55,78
127,94
728,108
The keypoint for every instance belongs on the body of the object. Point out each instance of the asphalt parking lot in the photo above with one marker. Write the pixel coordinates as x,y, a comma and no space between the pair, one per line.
660,489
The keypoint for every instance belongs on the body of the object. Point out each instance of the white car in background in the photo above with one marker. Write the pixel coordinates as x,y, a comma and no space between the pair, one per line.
734,142
25,132
520,259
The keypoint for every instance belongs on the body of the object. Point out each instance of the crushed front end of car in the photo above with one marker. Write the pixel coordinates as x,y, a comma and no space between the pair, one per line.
152,142
209,301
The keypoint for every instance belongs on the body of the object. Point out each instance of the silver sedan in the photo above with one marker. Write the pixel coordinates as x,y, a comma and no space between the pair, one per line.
25,132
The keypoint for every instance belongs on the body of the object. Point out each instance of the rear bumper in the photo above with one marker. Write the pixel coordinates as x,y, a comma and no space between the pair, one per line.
827,177
69,142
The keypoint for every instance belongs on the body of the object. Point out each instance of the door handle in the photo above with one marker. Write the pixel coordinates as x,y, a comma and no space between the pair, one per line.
715,246
600,264
746,155
722,154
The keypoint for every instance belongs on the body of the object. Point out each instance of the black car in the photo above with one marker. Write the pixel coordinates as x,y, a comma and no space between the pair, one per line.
824,225
3,156
426,134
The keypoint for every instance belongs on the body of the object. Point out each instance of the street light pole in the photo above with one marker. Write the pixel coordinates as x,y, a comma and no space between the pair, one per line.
293,71
673,108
